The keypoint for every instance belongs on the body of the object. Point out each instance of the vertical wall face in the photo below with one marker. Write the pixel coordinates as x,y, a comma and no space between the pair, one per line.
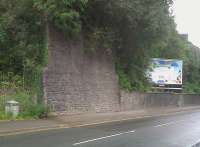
137,101
75,82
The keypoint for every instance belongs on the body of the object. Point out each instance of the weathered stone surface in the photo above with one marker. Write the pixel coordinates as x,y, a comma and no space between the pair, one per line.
77,82
136,100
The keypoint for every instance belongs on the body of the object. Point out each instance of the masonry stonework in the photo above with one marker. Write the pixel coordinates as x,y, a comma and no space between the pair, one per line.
137,101
76,82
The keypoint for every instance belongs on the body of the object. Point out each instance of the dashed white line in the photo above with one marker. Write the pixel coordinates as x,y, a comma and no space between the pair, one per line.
167,124
197,144
101,138
110,136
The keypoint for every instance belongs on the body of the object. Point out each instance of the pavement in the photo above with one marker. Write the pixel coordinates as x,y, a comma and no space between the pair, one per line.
172,129
79,120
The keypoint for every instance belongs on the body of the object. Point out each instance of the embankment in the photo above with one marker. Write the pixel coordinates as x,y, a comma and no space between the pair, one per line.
78,82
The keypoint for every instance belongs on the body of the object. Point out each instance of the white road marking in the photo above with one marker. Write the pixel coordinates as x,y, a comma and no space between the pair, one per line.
110,136
101,138
167,124
195,144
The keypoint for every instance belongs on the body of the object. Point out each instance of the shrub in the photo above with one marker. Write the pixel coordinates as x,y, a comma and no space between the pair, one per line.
28,107
35,111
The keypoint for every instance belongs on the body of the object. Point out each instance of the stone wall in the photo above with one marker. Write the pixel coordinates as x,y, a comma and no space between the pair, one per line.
135,101
76,82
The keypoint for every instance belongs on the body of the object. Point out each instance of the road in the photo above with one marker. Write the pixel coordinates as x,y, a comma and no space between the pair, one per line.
177,130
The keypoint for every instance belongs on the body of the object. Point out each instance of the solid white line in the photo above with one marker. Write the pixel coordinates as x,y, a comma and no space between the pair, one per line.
101,138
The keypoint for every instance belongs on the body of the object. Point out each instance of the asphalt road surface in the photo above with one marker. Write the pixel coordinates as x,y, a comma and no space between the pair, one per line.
177,130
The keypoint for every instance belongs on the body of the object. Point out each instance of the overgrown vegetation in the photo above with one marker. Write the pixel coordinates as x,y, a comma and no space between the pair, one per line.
192,69
22,54
28,106
12,88
130,29
134,30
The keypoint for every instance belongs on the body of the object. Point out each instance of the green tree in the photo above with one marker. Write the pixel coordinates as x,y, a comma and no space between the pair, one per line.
132,27
63,14
134,30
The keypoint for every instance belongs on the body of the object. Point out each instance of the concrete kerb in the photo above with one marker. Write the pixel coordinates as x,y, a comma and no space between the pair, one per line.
31,130
18,120
66,126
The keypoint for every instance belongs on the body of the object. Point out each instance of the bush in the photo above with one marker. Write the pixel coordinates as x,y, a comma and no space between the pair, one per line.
28,108
35,111
124,80
192,87
4,116
133,82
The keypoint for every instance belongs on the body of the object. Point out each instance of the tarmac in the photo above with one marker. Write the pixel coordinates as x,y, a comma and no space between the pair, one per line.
79,120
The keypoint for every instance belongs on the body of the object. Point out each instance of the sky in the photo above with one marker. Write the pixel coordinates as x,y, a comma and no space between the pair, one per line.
187,18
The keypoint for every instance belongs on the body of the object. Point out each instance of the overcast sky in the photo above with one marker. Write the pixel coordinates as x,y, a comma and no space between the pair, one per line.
187,17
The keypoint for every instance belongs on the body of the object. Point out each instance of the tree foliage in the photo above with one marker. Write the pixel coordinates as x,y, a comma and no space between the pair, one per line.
21,31
131,29
134,30
64,14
